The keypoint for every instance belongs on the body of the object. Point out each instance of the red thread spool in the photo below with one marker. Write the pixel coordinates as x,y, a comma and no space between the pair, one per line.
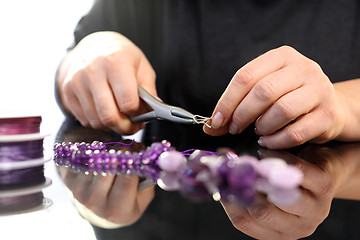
20,125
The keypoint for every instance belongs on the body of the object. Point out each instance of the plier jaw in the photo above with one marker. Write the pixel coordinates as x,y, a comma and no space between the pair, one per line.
163,111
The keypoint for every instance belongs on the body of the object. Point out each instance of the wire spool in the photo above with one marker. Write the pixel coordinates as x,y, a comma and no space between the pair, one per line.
22,164
20,125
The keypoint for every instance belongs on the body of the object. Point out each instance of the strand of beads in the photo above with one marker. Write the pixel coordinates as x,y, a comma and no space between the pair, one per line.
95,159
199,176
229,177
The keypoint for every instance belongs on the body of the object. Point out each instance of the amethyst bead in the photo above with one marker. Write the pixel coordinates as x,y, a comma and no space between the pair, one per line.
171,161
169,181
241,175
286,177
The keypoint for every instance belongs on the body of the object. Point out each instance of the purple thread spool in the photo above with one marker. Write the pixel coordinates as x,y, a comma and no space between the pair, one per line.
20,203
21,144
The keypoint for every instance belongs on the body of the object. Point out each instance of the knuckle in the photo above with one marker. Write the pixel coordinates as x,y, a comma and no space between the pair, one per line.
241,222
287,49
296,135
329,112
95,123
264,91
286,109
326,186
85,74
67,87
314,67
112,61
261,213
238,118
129,105
107,118
84,123
152,73
244,77
306,231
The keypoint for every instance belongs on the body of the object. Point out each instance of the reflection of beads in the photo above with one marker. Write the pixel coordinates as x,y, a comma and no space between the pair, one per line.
96,159
225,177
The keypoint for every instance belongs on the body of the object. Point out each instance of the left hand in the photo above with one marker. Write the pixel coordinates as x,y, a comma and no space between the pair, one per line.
264,220
288,96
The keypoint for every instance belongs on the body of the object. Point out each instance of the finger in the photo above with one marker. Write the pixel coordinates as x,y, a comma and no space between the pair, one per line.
302,130
216,132
145,197
318,178
329,174
108,112
122,80
125,204
264,93
146,76
79,185
271,217
87,104
243,221
97,194
244,79
71,102
83,83
314,185
122,198
286,109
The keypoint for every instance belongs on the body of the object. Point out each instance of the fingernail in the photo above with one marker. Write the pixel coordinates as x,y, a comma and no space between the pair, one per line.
217,120
233,128
261,142
261,152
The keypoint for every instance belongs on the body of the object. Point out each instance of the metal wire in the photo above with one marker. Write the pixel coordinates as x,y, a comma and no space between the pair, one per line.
202,120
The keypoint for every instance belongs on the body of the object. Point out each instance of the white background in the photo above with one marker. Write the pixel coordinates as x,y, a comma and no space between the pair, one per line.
34,36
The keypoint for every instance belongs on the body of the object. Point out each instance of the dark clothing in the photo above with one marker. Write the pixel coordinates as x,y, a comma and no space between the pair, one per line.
195,47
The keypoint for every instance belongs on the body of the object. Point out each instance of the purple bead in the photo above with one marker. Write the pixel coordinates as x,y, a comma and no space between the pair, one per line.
265,165
247,159
223,169
191,186
171,161
286,177
157,148
284,197
214,163
169,181
105,156
244,197
241,175
197,155
263,185
82,146
154,156
146,157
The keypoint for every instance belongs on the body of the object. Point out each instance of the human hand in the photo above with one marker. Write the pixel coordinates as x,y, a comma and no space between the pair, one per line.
98,82
265,220
288,96
110,201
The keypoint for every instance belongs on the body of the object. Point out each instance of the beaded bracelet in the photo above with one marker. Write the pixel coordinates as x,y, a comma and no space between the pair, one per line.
197,174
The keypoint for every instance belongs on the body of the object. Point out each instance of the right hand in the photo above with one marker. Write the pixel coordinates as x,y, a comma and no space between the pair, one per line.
264,220
98,82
